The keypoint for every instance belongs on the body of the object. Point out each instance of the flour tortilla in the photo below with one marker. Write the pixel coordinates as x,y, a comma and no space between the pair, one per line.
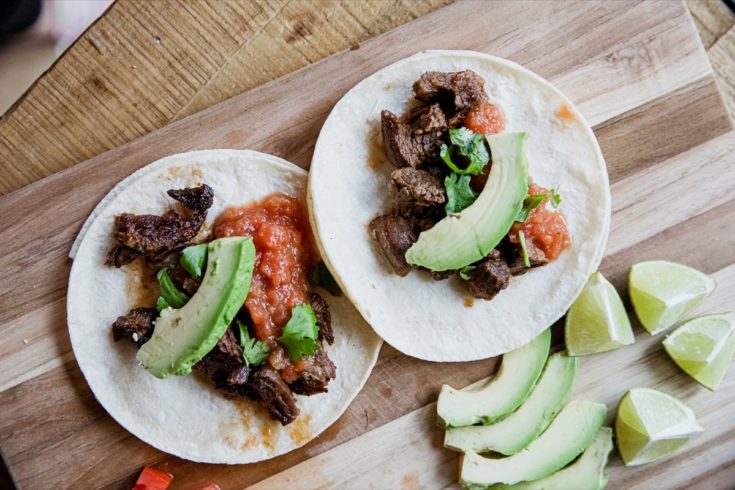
348,187
186,416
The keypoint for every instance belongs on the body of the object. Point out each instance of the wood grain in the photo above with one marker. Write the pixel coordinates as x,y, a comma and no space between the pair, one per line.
52,431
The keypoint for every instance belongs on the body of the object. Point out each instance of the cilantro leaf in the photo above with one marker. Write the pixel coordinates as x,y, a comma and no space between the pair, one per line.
469,145
194,258
254,351
170,295
459,193
463,272
555,198
522,241
529,204
323,278
300,333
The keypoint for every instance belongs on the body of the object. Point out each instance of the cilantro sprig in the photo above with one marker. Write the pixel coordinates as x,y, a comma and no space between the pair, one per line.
459,193
532,202
323,278
464,272
254,351
469,145
170,296
194,258
300,333
524,251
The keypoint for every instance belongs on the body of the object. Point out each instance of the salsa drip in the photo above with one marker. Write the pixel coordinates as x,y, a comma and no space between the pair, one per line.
545,229
285,254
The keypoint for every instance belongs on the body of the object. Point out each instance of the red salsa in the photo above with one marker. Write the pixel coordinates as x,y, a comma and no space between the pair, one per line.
285,254
545,228
485,118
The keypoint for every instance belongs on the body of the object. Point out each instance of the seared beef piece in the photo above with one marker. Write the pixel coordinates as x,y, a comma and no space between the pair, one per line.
536,258
456,92
267,387
316,375
165,258
137,325
427,118
489,277
223,359
183,280
119,256
197,199
237,379
394,235
149,234
403,147
323,318
416,188
440,275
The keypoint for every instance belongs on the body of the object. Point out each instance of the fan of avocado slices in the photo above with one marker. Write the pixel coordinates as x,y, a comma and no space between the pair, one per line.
539,439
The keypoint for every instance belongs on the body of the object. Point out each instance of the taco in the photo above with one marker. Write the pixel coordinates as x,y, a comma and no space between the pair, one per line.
201,316
460,201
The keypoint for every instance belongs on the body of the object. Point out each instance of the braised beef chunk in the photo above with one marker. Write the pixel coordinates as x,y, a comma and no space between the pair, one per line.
403,147
416,188
119,256
197,199
267,387
490,276
183,280
137,325
222,360
536,258
427,118
394,235
323,318
238,378
441,275
316,375
455,92
149,234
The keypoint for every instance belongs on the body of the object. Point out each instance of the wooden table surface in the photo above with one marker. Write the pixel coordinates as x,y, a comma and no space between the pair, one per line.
144,65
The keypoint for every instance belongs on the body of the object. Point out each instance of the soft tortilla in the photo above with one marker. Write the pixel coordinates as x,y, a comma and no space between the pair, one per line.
186,416
348,187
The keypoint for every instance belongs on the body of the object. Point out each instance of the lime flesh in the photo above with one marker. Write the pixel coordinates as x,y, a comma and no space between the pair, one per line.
651,425
597,321
662,292
704,347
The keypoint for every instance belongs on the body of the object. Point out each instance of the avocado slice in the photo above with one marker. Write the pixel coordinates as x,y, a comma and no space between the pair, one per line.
571,432
509,388
182,337
587,473
461,239
523,426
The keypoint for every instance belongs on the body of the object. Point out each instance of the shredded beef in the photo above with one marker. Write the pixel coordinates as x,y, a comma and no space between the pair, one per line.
315,376
267,387
197,199
394,235
136,326
323,318
490,276
416,188
405,148
183,280
455,92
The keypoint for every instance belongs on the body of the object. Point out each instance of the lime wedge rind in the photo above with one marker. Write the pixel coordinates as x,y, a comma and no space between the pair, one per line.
597,321
703,347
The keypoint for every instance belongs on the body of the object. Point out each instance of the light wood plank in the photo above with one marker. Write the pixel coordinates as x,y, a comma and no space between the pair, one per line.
409,449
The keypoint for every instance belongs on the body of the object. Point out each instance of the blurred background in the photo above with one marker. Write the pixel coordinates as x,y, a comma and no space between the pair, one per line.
33,33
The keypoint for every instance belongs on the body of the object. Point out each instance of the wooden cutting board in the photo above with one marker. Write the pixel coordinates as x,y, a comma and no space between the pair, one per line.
639,74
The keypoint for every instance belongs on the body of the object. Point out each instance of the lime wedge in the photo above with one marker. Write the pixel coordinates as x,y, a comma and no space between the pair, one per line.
597,321
662,292
703,347
651,425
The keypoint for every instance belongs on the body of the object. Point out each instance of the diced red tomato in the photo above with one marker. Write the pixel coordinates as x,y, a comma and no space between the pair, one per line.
153,479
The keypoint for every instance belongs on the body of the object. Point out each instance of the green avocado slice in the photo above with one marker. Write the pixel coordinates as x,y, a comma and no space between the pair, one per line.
571,432
523,426
182,337
461,239
587,472
518,373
